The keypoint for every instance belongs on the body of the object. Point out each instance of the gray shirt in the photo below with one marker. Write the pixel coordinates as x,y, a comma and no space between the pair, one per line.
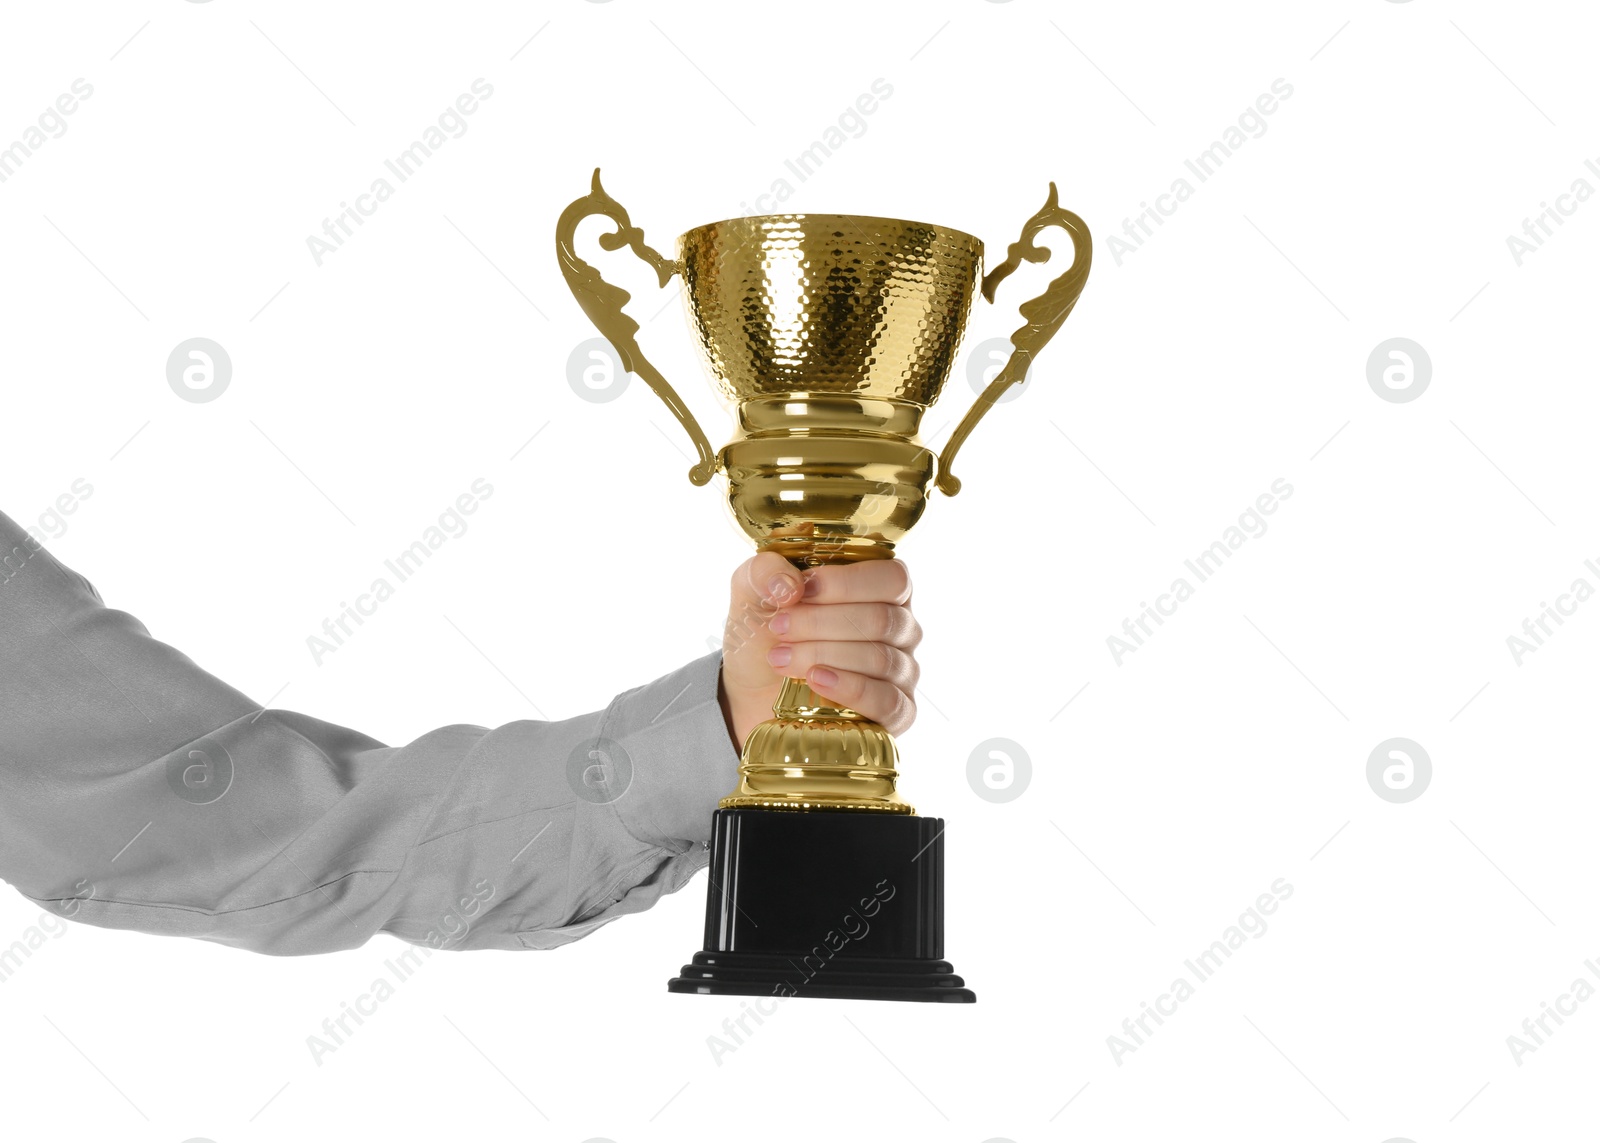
139,792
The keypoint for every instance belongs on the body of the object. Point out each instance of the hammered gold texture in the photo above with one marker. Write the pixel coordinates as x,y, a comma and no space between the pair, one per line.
825,303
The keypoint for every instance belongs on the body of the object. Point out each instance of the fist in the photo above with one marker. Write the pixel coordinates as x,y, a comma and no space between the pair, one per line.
846,629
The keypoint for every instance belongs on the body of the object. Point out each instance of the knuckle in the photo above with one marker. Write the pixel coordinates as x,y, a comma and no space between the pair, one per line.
850,687
905,713
756,574
899,580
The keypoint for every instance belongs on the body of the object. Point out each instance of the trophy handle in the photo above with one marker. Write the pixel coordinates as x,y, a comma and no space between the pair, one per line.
1044,315
603,303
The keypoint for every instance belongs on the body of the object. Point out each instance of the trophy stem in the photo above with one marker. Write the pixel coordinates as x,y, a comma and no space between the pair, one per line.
796,700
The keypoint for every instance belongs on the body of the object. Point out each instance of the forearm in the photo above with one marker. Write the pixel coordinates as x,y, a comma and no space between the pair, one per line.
114,749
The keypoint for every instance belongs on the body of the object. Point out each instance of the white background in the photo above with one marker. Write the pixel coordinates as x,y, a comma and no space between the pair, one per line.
1226,352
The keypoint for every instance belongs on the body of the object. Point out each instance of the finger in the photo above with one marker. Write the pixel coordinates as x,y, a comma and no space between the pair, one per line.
882,702
870,581
878,660
847,622
763,583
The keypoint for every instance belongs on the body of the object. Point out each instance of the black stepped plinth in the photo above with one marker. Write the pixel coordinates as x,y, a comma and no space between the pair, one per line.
835,904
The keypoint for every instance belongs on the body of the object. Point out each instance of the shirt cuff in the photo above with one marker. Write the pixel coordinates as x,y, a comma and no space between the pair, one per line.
664,757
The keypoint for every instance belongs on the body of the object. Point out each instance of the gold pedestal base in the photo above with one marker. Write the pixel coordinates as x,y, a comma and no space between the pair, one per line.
814,756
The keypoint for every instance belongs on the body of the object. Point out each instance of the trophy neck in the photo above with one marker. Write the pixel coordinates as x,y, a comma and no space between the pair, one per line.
833,414
827,478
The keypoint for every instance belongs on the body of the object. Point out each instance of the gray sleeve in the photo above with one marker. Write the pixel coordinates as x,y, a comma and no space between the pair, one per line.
139,792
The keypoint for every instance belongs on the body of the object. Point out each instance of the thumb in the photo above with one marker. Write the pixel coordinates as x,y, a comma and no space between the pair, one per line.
764,583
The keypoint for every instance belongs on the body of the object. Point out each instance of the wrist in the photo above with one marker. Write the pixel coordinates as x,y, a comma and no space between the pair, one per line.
743,708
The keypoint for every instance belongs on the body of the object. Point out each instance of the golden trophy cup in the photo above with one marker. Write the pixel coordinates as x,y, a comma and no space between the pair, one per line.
833,333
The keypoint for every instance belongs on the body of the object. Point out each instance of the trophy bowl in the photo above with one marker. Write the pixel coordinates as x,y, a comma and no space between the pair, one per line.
833,333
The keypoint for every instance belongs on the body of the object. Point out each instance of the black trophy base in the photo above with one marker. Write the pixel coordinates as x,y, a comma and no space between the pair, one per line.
832,904
843,978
